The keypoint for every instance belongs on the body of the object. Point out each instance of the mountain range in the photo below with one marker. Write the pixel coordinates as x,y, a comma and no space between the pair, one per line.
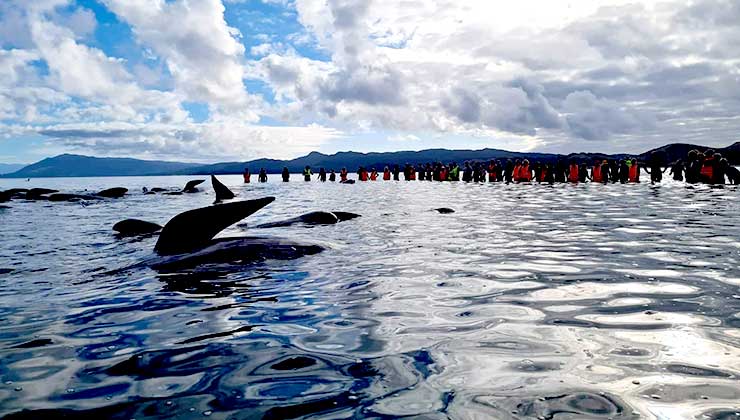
68,165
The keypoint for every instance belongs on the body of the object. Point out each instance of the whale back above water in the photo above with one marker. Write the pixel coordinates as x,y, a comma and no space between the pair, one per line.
194,229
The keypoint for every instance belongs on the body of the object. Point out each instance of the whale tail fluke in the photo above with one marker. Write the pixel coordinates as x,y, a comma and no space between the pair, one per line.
194,229
222,191
190,187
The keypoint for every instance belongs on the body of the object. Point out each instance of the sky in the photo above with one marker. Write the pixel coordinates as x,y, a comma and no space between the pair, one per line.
217,80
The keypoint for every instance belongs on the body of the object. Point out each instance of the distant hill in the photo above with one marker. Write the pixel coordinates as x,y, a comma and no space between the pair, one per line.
6,168
75,165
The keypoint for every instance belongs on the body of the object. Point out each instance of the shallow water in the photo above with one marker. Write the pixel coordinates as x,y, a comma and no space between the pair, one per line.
588,301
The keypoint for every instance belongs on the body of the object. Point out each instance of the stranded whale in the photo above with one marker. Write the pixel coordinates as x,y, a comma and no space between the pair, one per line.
187,240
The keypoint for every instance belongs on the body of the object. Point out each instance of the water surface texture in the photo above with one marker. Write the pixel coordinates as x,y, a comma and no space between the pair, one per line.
530,301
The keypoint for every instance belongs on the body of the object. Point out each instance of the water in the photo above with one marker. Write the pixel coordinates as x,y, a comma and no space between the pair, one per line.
588,301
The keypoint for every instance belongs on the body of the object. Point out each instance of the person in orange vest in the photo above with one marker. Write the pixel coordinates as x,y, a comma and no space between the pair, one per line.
373,175
708,168
525,172
491,171
634,171
598,172
343,175
362,174
517,166
386,174
247,175
573,172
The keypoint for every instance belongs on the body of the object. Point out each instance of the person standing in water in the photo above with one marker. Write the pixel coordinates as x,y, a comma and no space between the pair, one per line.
307,173
262,177
343,175
677,170
396,171
247,176
373,175
656,168
332,176
386,174
454,172
322,175
286,174
509,171
573,172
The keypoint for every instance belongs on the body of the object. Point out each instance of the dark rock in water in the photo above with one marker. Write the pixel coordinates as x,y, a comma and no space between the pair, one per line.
195,229
38,193
313,218
190,186
131,227
222,191
71,197
349,181
444,210
116,192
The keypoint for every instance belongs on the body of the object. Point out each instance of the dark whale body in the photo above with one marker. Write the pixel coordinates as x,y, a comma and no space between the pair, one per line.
131,227
116,192
313,218
190,186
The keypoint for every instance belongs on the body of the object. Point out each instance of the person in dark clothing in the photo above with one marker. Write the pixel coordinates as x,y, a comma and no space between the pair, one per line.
262,177
395,172
286,174
332,176
560,170
732,173
693,166
499,171
677,170
467,172
430,172
614,171
583,173
509,171
322,175
655,169
624,171
307,173
476,172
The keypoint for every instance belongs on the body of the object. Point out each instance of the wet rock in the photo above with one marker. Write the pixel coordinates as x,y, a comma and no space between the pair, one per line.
116,192
131,227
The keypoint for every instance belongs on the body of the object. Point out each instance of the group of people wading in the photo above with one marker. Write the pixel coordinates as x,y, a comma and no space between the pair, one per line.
707,167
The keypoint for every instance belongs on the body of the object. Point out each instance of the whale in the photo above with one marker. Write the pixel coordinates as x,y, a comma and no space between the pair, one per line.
312,219
190,187
222,191
116,192
188,240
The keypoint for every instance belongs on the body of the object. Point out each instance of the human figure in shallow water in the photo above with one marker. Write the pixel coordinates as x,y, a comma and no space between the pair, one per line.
262,177
332,176
677,170
509,171
655,169
322,175
285,174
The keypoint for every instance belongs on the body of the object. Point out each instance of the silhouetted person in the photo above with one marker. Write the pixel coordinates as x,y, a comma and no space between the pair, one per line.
395,172
677,170
509,171
560,170
286,174
467,172
262,177
655,169
332,176
307,173
322,175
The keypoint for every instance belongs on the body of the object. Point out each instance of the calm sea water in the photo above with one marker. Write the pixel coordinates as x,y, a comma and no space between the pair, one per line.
587,301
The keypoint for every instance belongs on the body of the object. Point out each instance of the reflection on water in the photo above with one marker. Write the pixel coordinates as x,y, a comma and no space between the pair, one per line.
588,301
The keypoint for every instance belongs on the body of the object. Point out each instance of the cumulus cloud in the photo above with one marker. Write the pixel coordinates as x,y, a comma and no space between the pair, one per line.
524,74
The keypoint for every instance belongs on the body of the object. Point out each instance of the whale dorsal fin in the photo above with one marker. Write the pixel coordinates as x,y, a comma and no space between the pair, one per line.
193,229
222,191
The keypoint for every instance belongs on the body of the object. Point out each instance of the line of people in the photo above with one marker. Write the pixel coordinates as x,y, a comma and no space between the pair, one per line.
707,167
